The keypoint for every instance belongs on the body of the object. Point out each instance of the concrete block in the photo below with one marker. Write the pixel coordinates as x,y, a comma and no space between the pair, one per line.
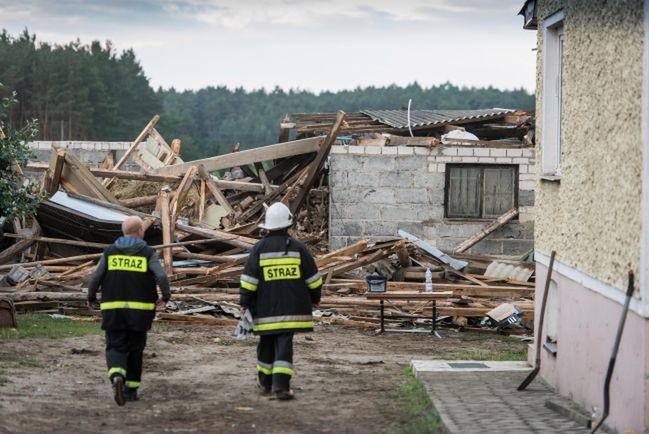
349,228
469,159
526,185
405,150
487,160
526,198
373,150
345,162
375,163
383,195
527,177
338,178
441,167
356,150
420,150
346,194
498,152
436,197
432,167
514,152
398,212
449,151
517,247
444,159
429,213
486,247
481,152
531,168
465,152
414,162
503,160
414,228
361,179
522,168
389,150
411,195
380,228
528,152
520,161
338,149
353,211
514,230
336,243
429,180
396,179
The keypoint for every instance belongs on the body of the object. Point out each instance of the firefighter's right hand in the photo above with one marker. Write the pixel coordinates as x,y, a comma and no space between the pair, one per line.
91,304
160,305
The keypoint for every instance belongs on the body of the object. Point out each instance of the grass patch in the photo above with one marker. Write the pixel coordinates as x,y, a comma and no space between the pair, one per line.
415,409
44,326
518,354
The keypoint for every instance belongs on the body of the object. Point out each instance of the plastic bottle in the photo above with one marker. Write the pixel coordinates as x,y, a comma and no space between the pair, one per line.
429,280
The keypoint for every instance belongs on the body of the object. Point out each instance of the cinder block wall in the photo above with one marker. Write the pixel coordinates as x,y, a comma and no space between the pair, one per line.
92,153
375,191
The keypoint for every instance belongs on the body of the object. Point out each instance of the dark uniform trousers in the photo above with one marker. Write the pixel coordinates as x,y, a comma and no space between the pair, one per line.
275,361
124,351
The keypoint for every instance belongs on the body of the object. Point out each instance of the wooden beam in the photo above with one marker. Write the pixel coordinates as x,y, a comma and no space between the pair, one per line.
214,189
165,215
201,204
145,132
263,177
318,162
482,233
58,241
249,156
136,202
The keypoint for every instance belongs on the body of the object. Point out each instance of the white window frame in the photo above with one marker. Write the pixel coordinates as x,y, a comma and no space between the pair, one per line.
552,94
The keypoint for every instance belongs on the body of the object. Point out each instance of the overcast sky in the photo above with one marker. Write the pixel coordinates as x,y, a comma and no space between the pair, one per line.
313,45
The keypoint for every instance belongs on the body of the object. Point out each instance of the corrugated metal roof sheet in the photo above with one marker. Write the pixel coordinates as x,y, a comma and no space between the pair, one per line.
504,270
419,118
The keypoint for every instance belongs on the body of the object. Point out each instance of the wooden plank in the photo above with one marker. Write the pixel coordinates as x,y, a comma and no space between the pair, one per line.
402,295
250,156
201,204
167,231
136,202
482,233
316,166
181,192
57,160
58,241
78,178
175,152
145,132
11,252
214,189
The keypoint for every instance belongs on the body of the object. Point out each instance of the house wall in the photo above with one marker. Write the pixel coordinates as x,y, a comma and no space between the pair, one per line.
92,153
593,216
586,326
377,190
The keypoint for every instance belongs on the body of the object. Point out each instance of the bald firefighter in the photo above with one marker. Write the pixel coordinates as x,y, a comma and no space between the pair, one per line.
127,274
280,284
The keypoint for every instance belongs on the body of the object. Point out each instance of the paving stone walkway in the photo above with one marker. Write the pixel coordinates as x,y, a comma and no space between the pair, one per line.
488,402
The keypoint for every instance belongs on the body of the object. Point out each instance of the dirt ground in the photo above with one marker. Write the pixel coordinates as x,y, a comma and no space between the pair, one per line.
346,381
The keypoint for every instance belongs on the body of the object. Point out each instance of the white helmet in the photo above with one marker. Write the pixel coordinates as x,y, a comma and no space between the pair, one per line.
278,216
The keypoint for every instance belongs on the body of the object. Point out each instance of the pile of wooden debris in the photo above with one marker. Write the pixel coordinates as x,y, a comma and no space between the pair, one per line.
202,217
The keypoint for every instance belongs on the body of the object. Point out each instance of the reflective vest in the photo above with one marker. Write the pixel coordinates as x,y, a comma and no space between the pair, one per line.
279,284
128,290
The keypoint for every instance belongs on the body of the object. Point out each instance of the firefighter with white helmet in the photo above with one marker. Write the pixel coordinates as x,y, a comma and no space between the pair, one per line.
280,284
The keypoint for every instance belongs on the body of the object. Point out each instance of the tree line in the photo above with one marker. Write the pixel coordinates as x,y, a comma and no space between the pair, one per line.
91,92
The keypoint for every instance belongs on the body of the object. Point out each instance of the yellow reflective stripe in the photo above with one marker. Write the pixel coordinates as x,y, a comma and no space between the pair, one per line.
314,285
264,370
279,261
138,305
120,371
282,325
247,285
133,384
282,370
127,263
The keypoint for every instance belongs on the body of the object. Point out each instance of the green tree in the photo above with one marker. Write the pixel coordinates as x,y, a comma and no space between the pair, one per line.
16,199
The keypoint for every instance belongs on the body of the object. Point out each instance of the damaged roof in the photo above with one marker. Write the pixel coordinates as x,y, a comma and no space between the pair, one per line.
419,118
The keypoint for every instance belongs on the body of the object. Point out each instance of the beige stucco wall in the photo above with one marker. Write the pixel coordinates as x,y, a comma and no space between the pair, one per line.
592,218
